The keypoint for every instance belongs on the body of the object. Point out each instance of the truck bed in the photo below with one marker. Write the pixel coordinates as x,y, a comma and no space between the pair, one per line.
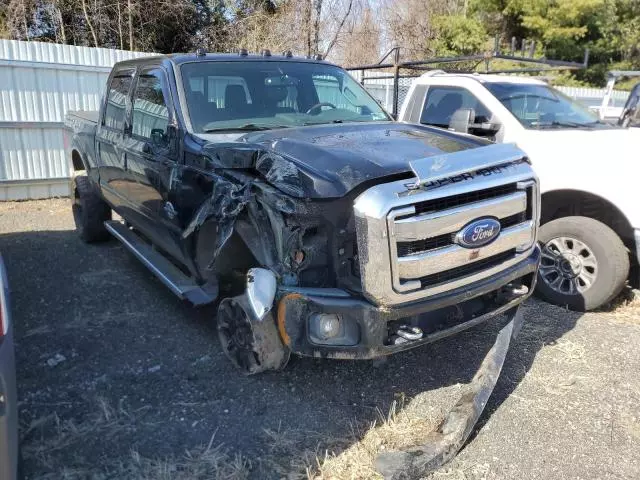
79,135
89,116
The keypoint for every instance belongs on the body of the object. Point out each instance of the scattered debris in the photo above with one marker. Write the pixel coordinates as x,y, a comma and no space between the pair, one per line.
56,359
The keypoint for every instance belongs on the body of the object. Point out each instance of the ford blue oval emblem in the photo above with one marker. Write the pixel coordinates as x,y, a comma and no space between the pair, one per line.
478,233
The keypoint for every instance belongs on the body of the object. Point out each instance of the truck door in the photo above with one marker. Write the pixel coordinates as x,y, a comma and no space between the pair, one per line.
151,150
111,159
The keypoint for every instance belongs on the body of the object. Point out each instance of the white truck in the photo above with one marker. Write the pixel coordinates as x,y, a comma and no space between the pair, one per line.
590,225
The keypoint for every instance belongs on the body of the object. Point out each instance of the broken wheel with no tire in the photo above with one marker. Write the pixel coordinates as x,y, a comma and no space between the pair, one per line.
252,345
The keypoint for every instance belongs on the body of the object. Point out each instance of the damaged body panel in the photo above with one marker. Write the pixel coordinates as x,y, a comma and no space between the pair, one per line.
442,444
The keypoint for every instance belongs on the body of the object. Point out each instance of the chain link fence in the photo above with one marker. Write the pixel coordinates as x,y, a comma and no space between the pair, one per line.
381,88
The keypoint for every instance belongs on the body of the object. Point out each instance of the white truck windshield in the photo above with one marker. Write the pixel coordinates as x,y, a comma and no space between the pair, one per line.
257,95
540,106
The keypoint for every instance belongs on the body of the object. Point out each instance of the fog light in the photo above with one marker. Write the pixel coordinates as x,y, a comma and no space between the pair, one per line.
332,329
327,326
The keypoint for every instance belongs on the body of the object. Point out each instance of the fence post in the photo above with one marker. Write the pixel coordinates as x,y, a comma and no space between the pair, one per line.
396,80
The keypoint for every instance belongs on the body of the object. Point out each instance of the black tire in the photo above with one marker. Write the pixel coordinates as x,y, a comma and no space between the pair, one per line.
90,211
601,258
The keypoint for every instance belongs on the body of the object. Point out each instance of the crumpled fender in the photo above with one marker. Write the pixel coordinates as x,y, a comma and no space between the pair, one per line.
226,202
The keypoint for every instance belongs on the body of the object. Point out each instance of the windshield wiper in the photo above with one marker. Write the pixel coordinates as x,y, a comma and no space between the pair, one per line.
566,124
337,121
249,127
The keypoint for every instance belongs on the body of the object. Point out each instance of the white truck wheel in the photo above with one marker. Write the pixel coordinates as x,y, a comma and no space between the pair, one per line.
584,263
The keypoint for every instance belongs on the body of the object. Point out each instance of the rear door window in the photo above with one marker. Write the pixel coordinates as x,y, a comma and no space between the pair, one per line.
115,108
442,102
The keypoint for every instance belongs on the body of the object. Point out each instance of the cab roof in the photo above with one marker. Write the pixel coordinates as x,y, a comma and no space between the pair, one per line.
180,58
485,77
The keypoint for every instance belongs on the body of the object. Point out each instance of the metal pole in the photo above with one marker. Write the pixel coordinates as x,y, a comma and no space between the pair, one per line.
396,80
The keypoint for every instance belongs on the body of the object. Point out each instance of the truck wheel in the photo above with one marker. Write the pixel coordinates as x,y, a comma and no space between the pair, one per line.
90,211
252,346
584,263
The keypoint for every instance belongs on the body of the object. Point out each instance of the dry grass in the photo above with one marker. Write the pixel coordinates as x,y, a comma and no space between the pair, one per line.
203,462
46,437
626,307
402,427
106,423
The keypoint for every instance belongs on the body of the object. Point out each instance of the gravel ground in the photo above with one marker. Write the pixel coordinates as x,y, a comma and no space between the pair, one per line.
119,379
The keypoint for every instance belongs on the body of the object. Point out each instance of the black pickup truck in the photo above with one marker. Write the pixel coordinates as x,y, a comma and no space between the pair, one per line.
277,186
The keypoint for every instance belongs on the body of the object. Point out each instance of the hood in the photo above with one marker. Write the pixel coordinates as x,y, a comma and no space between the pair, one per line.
328,161
600,162
588,147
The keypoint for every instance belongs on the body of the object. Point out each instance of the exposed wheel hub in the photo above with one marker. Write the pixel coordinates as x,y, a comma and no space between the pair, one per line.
252,345
571,265
568,265
236,335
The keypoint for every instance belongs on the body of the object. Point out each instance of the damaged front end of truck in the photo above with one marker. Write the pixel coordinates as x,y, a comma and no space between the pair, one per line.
374,270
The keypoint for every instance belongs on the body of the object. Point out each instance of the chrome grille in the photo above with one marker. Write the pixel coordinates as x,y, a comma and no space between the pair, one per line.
465,198
418,246
406,235
468,269
432,228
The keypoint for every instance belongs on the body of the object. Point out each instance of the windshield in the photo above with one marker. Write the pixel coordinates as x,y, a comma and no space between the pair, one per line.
540,106
257,95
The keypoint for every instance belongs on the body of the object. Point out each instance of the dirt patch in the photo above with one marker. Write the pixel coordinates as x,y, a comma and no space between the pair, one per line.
119,379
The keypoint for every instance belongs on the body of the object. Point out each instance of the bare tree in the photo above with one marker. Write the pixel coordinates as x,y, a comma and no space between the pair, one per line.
54,13
307,26
338,30
130,17
409,23
89,24
119,15
361,39
18,18
317,10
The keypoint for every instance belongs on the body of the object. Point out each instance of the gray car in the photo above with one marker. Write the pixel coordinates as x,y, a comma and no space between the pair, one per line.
8,398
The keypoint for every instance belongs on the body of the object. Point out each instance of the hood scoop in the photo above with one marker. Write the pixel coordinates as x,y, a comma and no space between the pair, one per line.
440,169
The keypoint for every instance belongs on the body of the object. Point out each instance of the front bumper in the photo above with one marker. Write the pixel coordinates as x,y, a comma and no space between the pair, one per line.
439,316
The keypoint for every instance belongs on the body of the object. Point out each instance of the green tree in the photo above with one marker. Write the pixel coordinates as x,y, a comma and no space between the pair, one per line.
563,29
458,35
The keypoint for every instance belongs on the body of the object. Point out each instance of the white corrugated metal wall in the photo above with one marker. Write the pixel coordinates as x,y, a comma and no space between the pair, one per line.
39,83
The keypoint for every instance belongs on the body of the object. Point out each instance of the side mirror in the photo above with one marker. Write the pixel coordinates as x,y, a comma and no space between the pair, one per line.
157,136
485,129
462,119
